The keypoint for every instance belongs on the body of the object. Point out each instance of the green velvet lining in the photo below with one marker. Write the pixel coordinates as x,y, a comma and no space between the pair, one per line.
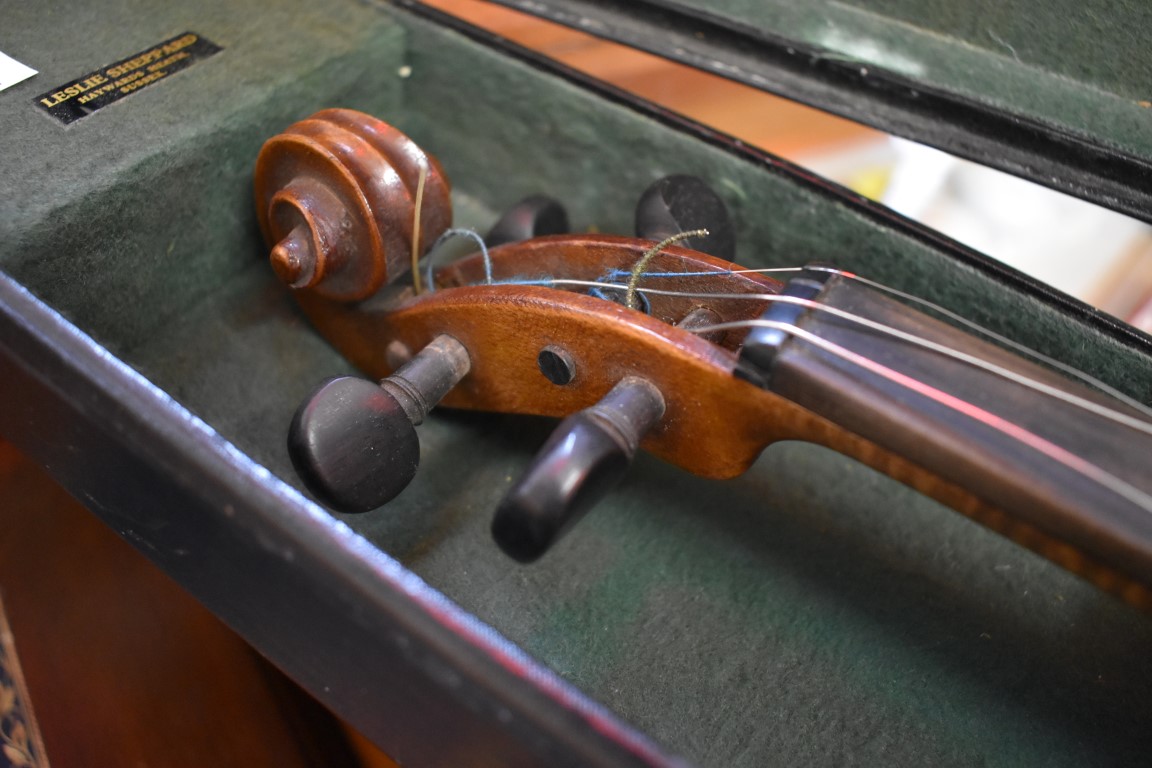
129,216
1083,65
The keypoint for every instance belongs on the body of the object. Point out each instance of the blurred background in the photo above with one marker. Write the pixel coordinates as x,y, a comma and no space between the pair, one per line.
1094,254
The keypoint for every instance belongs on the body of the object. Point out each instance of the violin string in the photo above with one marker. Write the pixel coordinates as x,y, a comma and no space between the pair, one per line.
1006,373
943,349
956,317
1015,431
1095,473
971,325
1038,386
637,271
1022,435
1011,344
419,205
447,235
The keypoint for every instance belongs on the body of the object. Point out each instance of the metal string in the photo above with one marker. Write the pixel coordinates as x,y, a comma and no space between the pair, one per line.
1015,431
448,235
1038,386
936,308
1006,373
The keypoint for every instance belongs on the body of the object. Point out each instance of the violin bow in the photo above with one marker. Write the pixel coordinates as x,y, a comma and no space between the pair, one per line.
695,359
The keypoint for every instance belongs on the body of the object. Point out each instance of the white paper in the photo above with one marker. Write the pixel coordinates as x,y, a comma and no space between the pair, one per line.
12,72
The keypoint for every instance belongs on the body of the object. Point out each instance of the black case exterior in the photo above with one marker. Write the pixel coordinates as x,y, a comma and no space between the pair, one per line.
1052,92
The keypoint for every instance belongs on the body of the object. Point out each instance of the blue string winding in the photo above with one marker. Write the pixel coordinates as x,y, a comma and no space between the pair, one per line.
448,235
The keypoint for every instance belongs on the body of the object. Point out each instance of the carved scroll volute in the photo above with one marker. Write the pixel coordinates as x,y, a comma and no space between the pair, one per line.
335,195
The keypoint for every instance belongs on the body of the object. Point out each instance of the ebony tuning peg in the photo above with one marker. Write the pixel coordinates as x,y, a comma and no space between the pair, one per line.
531,217
584,458
682,203
354,443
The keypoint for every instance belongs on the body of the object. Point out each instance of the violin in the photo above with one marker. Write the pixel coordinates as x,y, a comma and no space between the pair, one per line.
659,346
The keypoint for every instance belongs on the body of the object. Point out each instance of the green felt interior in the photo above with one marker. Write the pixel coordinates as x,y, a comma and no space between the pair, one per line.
809,613
1083,65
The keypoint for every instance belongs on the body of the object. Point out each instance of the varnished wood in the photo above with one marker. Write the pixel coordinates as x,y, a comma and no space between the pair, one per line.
715,424
335,198
124,668
1077,475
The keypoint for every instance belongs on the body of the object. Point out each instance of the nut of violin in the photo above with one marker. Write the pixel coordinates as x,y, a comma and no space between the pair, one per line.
335,196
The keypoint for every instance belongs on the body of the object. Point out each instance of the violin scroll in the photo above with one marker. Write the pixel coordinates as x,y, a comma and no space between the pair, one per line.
336,199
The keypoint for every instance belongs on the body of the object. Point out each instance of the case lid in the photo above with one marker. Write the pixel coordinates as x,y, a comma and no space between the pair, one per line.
1056,91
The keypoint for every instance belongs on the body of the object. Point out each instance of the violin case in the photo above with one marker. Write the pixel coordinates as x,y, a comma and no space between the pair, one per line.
811,612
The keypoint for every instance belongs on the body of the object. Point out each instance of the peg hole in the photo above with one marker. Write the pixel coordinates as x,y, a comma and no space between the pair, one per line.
556,365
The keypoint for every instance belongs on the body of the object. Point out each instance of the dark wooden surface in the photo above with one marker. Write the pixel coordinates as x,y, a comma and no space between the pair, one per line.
1046,463
123,668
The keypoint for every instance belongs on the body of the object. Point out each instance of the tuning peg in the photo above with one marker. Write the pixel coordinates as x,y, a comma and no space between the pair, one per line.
682,203
354,443
531,217
583,459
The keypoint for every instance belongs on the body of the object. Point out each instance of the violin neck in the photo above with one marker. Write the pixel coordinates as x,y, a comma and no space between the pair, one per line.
1055,468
